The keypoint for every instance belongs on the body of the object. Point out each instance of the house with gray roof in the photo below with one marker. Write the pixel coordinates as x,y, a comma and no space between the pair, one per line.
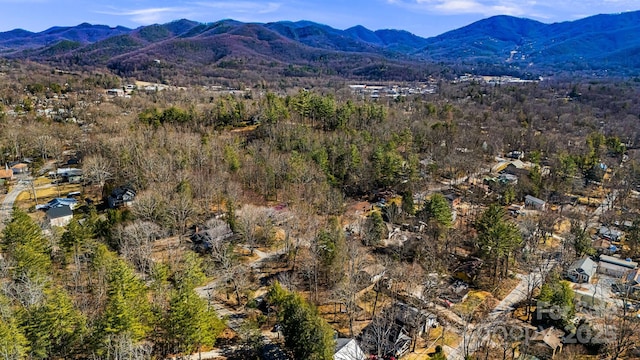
614,266
582,270
534,202
59,216
348,349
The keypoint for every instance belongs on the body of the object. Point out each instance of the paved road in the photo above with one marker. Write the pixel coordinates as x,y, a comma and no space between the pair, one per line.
234,317
9,199
475,332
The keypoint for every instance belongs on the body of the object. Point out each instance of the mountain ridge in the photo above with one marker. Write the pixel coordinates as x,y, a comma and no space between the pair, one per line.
606,42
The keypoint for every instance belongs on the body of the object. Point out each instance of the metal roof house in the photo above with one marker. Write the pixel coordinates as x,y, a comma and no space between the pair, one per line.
534,202
59,216
615,266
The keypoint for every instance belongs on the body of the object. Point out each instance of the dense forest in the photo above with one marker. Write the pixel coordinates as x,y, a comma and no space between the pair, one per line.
312,182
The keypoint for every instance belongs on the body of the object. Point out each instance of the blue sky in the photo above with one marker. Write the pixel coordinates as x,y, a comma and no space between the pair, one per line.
421,17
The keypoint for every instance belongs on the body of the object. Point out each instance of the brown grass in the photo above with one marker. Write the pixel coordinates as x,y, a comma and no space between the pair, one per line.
472,302
505,287
25,199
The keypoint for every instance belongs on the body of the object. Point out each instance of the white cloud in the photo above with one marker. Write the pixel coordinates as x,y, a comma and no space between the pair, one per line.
453,7
541,9
460,6
149,15
242,7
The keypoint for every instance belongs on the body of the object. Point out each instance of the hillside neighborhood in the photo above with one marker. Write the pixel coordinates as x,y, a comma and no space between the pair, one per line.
324,216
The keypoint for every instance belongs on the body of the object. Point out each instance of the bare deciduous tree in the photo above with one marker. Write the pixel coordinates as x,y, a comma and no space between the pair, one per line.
97,169
135,242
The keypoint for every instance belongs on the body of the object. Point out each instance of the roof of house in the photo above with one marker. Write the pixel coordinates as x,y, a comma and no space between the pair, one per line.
602,244
59,212
6,173
411,316
20,166
68,172
533,200
451,196
610,232
551,337
58,202
518,164
633,277
341,343
123,193
585,266
348,349
617,261
221,232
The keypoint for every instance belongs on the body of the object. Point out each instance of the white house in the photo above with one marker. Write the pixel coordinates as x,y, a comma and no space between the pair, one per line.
581,271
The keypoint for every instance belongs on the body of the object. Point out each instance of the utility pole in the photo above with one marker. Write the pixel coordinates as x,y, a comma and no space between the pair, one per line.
33,189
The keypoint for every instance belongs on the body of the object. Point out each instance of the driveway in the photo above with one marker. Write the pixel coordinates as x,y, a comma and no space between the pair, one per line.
474,332
600,289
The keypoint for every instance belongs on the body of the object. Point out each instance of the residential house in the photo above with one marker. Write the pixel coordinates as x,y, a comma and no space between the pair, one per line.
58,202
515,168
632,283
121,196
203,240
581,271
534,202
412,323
6,173
115,92
396,328
546,344
59,216
19,168
71,175
604,246
515,209
373,273
610,233
614,266
453,199
348,349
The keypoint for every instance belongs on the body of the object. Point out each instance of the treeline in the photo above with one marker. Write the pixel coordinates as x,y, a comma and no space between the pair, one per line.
77,298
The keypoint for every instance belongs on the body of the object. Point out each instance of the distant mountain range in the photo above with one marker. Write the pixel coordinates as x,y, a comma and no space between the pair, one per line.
602,44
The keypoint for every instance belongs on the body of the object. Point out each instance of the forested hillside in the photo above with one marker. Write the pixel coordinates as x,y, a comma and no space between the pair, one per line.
186,52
